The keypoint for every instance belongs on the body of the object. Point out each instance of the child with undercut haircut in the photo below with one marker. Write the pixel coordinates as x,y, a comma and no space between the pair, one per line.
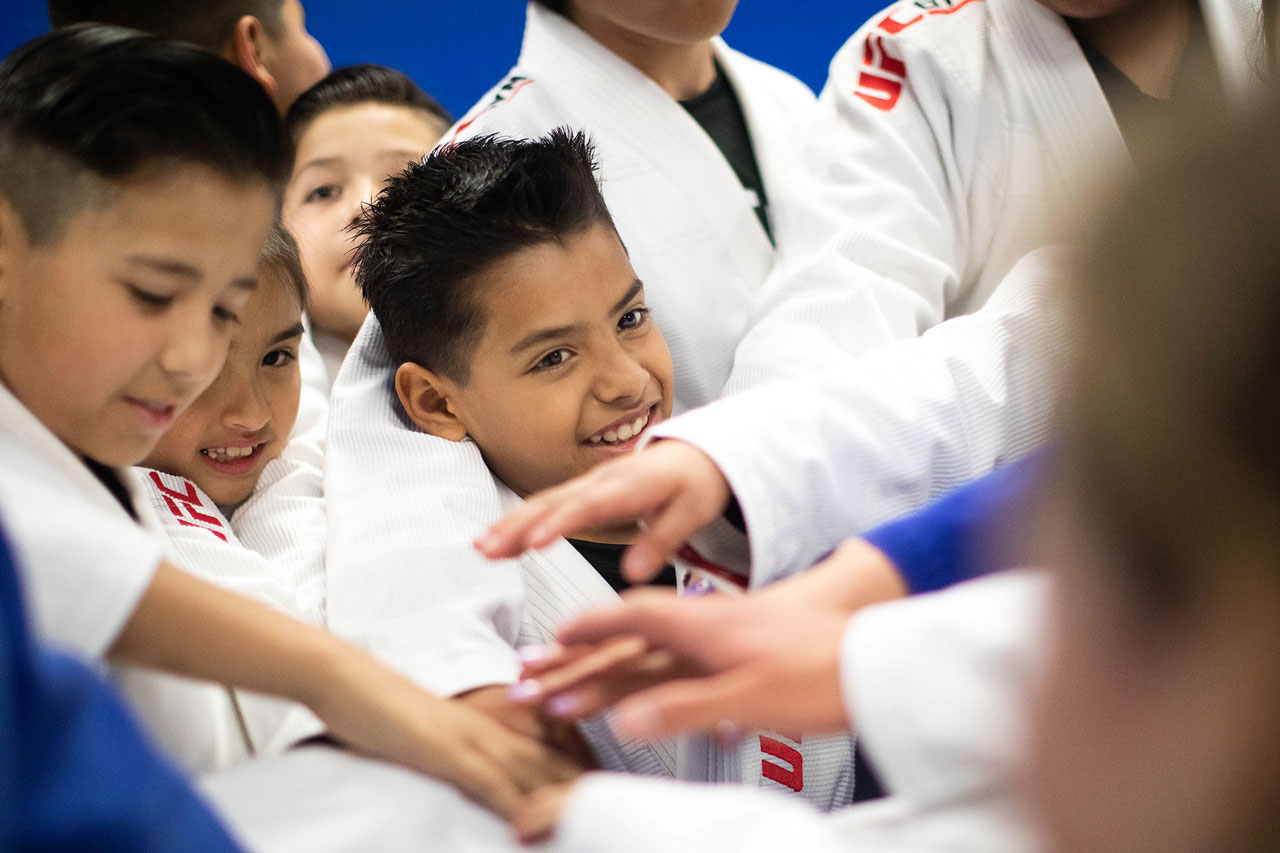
139,179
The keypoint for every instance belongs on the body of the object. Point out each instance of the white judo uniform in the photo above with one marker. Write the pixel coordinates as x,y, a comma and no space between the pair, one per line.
952,140
83,562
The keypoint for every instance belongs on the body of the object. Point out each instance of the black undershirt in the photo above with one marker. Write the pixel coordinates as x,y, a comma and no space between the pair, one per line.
606,559
1134,110
719,113
108,477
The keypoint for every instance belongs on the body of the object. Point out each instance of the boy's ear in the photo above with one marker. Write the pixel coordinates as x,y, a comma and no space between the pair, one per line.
424,396
249,48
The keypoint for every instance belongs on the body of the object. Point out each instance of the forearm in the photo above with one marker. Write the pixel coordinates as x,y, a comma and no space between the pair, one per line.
185,626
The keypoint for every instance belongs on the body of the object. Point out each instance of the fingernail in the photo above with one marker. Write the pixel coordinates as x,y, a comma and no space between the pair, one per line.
563,705
638,720
699,588
485,542
728,733
525,690
536,652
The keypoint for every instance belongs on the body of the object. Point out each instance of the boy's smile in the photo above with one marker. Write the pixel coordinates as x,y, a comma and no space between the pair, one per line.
569,370
110,330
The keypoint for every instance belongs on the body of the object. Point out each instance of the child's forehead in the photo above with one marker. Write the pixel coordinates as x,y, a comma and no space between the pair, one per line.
273,307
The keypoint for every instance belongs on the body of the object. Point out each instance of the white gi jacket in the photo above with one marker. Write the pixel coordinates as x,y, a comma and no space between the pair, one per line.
403,578
83,562
206,726
939,686
945,130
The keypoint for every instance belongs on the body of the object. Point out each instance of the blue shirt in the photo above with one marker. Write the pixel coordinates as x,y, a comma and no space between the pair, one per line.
75,771
962,535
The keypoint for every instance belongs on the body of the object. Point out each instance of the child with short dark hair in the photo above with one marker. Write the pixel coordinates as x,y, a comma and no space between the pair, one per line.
353,130
139,178
267,38
524,347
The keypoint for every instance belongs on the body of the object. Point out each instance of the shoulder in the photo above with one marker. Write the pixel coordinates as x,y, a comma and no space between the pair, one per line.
757,79
941,48
519,106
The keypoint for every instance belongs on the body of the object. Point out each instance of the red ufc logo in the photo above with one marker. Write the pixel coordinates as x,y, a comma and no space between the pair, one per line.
182,506
880,82
789,769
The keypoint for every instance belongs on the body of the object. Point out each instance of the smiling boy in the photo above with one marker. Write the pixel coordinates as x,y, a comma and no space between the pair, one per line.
522,339
525,330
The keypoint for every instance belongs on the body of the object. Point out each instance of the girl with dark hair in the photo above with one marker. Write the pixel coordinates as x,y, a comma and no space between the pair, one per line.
353,130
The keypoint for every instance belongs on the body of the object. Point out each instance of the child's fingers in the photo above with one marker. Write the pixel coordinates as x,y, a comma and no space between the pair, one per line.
485,781
591,698
597,662
660,618
690,704
537,816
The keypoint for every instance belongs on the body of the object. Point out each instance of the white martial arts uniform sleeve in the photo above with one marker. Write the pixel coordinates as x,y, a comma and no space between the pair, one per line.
940,684
815,461
876,237
403,578
83,566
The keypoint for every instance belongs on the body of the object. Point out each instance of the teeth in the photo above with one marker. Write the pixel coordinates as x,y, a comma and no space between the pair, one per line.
226,454
623,433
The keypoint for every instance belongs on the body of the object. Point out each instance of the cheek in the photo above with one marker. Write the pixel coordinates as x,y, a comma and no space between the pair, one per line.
284,403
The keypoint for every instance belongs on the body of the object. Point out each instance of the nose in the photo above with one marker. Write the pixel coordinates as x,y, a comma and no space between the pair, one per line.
622,380
365,189
247,408
192,352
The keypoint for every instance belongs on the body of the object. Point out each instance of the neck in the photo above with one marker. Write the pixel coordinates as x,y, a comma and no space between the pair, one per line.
681,70
1146,41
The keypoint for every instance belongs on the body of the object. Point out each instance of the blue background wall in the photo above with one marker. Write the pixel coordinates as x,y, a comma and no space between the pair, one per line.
457,49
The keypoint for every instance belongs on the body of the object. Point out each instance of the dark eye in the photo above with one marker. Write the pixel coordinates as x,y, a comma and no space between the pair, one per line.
150,300
633,319
324,192
225,315
555,358
278,358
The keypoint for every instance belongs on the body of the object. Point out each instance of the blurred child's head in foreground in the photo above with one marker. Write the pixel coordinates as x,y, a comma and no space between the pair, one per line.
1159,727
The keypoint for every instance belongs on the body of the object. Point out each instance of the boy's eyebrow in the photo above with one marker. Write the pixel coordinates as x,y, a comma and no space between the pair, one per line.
180,269
166,266
538,337
291,332
635,288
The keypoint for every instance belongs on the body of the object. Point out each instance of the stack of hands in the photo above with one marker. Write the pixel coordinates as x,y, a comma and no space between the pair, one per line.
670,665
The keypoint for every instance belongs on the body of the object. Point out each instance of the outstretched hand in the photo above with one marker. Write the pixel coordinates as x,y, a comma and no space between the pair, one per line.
768,660
671,487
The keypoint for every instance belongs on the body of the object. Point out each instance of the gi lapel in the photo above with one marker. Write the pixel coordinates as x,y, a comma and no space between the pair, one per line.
636,114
